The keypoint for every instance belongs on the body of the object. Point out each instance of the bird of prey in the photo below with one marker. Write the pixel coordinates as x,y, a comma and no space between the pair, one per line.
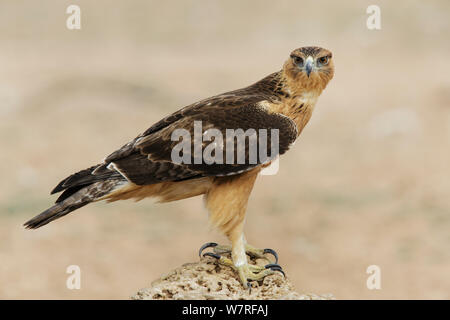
145,167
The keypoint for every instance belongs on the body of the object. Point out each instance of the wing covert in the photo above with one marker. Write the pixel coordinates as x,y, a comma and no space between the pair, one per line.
149,159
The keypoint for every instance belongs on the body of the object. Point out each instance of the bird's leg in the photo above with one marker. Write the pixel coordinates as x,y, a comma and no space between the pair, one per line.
226,202
247,272
241,265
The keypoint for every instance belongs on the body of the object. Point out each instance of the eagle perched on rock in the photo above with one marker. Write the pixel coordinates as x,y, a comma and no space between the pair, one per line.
150,166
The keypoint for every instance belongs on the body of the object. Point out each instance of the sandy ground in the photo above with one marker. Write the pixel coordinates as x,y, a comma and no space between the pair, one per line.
366,184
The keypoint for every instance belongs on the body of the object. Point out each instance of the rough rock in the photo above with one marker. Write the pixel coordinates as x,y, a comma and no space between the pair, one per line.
208,280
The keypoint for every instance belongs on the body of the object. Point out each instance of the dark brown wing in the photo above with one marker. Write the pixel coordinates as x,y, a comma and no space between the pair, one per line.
268,89
149,158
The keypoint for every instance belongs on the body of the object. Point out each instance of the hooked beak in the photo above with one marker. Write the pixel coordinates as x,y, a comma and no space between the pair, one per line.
309,64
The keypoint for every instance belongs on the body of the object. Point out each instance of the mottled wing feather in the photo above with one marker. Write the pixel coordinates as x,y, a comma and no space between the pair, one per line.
266,89
84,177
140,170
147,159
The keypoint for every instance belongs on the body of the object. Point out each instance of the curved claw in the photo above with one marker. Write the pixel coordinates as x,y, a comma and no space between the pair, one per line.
272,252
280,270
210,254
275,267
206,245
272,265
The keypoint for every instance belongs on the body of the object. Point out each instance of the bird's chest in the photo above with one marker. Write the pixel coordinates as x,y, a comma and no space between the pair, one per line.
308,99
299,109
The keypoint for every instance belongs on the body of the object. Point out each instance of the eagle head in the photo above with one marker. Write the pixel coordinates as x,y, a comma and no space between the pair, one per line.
309,68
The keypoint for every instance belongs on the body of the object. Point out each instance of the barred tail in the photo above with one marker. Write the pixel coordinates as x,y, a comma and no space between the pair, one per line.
73,200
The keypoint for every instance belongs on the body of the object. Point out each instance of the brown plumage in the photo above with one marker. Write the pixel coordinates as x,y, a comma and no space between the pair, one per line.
144,167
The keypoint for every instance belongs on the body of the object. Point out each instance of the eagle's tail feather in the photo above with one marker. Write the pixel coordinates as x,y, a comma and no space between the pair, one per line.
78,199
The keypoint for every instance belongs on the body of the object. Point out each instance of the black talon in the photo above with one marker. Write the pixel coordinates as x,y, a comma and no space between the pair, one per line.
206,245
282,272
272,252
272,265
210,254
275,267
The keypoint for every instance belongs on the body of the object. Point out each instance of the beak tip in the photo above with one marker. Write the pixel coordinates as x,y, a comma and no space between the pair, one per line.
308,66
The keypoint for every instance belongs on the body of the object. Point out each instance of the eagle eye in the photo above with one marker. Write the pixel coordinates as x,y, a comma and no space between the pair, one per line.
323,61
298,60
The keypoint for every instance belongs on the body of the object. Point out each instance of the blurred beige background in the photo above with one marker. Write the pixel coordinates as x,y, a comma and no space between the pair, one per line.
367,183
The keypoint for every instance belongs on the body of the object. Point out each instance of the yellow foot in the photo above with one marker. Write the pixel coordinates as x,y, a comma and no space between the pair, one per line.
250,250
247,272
